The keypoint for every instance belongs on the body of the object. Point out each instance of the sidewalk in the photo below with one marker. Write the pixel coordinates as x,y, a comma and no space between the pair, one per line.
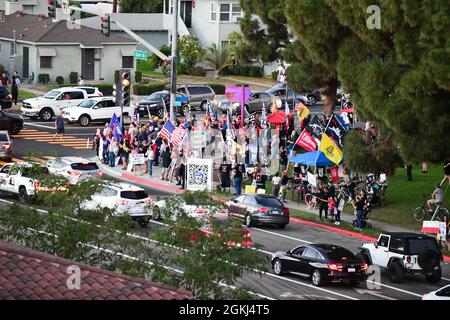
26,87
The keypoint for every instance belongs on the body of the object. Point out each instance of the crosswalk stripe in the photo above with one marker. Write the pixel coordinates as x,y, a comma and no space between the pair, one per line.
17,160
81,148
47,137
51,139
2,163
48,157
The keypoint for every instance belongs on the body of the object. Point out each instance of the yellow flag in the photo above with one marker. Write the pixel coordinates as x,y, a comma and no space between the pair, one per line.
302,111
330,149
274,105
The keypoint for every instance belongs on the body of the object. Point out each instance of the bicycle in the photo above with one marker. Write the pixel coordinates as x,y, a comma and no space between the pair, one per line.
422,211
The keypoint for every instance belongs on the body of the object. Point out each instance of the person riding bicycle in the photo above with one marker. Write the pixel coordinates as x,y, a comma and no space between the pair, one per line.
436,197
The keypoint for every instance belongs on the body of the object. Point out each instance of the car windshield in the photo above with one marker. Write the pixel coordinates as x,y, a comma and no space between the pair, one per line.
88,103
268,202
416,246
84,166
134,195
154,96
4,137
52,94
339,254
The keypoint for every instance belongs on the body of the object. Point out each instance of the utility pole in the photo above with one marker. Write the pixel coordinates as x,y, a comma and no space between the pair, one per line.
114,6
14,53
173,73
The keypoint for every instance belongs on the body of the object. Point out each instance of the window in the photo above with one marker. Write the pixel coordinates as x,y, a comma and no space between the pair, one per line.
108,192
213,11
384,241
397,245
240,199
236,12
134,195
110,103
225,12
445,292
311,253
250,200
128,62
269,202
75,95
298,251
46,62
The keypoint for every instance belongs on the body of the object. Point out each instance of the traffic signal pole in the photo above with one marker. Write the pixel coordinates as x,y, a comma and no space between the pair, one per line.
173,73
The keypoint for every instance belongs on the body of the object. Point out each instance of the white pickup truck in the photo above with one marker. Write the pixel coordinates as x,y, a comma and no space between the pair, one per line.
17,179
50,104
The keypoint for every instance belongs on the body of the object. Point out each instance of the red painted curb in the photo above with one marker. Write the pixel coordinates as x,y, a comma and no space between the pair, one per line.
151,184
341,231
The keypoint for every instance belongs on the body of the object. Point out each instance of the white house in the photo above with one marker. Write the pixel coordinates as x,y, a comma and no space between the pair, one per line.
26,6
58,48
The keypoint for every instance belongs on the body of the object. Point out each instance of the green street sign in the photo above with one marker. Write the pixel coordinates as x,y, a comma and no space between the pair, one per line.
142,55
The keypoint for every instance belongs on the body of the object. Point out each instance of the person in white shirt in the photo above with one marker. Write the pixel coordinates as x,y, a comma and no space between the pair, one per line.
81,81
281,73
383,181
276,184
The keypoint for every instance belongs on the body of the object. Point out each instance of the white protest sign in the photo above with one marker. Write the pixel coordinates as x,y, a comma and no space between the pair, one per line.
312,179
198,139
442,230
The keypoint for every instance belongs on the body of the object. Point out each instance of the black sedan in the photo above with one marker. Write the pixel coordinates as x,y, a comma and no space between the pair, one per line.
158,101
11,122
257,209
322,263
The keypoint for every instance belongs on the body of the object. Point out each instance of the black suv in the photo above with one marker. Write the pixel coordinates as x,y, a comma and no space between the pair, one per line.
12,123
5,98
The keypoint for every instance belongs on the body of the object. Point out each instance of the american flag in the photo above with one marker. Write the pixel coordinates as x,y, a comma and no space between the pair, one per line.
167,130
178,135
211,113
263,115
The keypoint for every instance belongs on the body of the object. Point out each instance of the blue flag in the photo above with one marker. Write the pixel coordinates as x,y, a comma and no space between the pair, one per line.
116,127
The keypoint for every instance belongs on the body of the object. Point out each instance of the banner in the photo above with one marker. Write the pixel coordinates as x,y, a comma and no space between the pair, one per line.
302,110
312,179
337,129
306,141
331,150
334,172
315,128
198,139
430,227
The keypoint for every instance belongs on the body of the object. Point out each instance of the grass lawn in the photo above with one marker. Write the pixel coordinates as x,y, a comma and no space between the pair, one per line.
23,94
403,196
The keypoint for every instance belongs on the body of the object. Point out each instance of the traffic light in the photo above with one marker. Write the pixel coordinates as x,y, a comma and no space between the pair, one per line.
52,8
125,83
106,25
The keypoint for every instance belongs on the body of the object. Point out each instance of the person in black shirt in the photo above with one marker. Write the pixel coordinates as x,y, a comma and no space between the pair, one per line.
322,199
332,195
238,171
359,205
284,183
283,158
225,179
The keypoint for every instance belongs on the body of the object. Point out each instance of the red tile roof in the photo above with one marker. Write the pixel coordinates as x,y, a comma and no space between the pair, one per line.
29,274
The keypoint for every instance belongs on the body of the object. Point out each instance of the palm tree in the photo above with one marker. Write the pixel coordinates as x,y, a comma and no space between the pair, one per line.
218,59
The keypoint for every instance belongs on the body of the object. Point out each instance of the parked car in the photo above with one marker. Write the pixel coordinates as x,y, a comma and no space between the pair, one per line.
91,91
190,209
255,103
10,122
198,95
74,169
50,104
321,263
6,146
98,109
403,252
122,198
440,294
5,98
20,179
309,99
257,209
153,104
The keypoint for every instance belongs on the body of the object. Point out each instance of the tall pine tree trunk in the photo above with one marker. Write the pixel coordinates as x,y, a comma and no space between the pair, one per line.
330,93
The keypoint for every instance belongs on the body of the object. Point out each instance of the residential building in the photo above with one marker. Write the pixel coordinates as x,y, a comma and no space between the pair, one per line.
26,6
26,274
59,48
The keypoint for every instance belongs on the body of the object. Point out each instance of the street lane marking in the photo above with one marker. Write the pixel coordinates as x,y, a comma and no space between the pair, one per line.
282,235
47,137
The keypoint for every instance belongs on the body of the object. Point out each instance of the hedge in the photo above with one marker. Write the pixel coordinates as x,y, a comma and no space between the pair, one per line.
73,77
244,70
274,75
198,71
43,78
147,89
217,87
138,76
59,80
240,84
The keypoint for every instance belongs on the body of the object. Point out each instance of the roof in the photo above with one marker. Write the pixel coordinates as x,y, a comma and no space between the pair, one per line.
125,186
38,30
26,274
134,21
406,235
74,159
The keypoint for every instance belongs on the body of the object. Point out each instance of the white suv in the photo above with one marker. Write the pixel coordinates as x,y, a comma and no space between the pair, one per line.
91,91
124,199
98,109
50,104
402,252
74,169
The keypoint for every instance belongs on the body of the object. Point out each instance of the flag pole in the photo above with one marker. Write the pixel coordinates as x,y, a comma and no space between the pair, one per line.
320,142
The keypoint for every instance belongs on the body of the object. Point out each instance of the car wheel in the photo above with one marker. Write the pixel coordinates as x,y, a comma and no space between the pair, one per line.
14,128
248,221
316,278
428,260
143,222
282,226
312,101
85,120
434,277
203,106
23,195
278,267
156,213
46,114
396,273
363,257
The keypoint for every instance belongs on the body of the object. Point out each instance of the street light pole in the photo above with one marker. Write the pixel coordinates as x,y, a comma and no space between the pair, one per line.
173,73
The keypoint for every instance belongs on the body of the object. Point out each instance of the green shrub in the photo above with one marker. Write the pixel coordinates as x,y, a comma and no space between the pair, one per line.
217,87
147,89
255,72
43,78
105,88
274,75
59,80
240,84
198,71
182,68
138,77
73,77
